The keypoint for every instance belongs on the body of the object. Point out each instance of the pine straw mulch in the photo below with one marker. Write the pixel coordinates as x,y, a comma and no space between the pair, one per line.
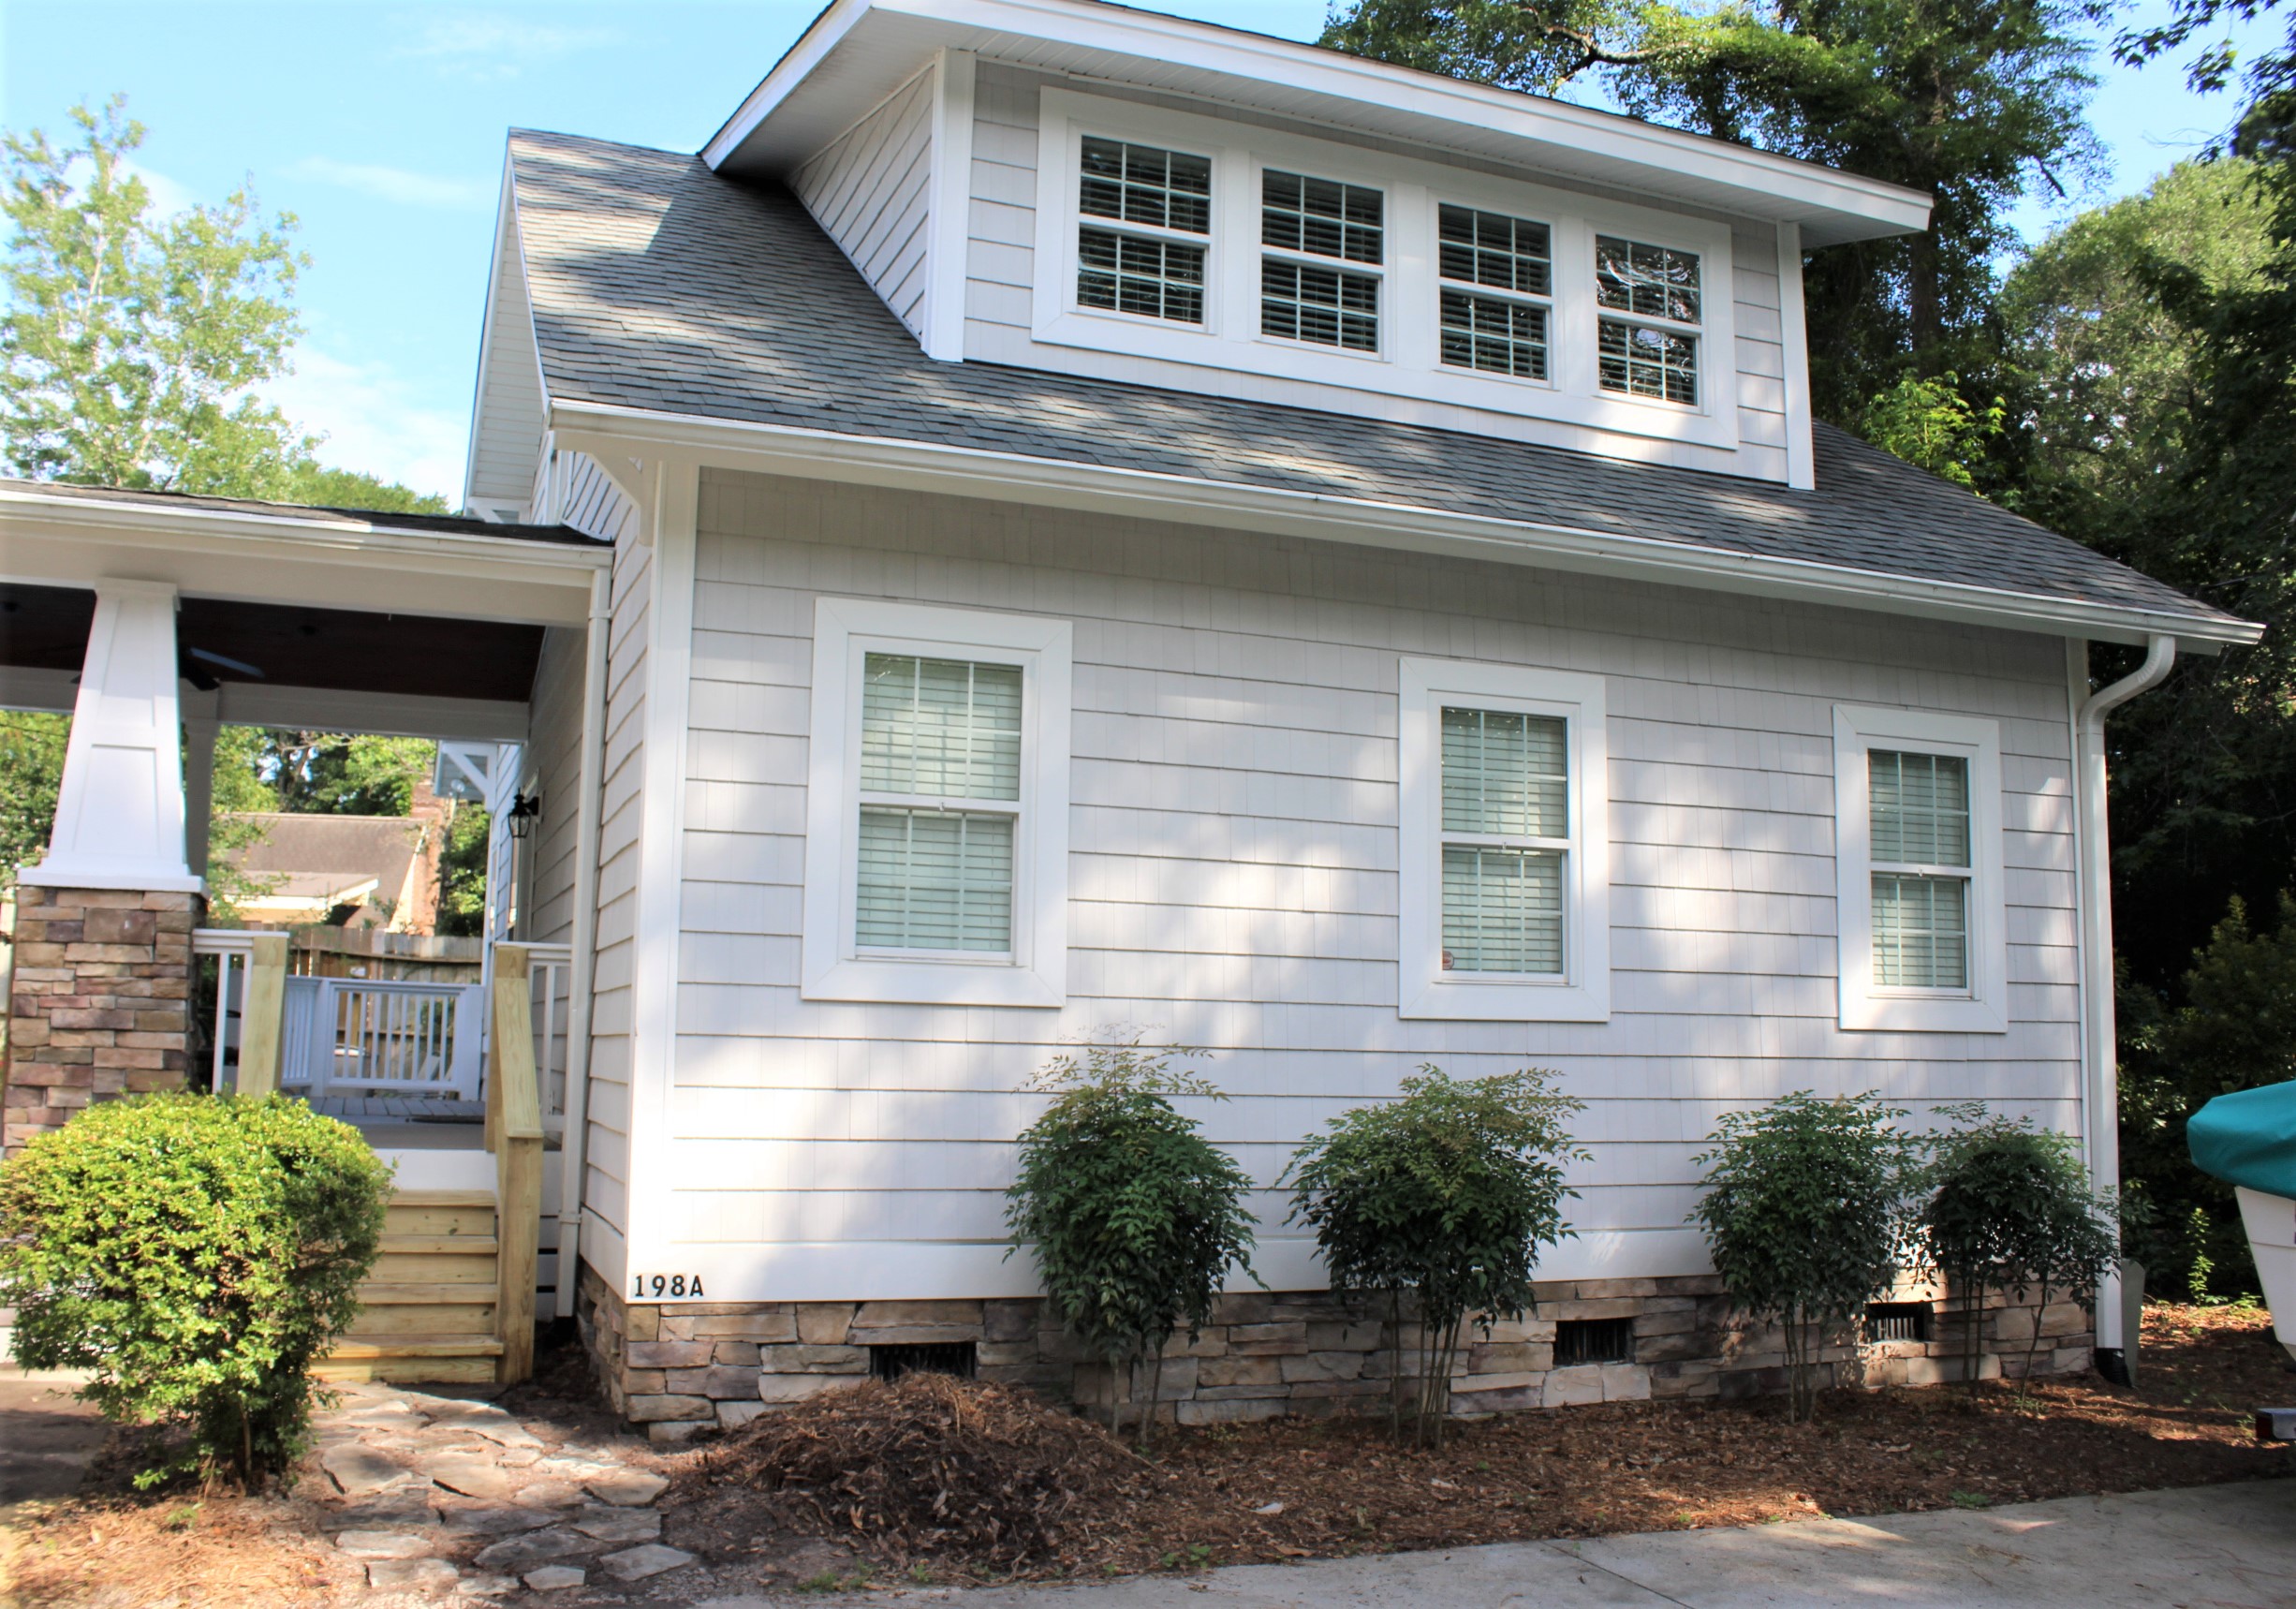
118,1552
929,1480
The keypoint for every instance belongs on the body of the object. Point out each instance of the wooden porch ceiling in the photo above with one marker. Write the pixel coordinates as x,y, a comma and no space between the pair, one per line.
345,650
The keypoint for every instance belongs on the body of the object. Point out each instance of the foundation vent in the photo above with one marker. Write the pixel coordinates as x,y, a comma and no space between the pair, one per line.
1593,1341
959,1358
1897,1322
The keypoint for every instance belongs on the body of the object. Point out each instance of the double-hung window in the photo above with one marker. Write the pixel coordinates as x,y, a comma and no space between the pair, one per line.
936,808
1323,241
1919,852
1144,229
1495,297
1504,870
1650,306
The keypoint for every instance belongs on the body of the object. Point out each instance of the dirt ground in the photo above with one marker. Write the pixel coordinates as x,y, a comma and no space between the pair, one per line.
1292,1490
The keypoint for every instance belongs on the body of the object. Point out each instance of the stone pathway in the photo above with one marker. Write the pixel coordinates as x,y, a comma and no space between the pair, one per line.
441,1496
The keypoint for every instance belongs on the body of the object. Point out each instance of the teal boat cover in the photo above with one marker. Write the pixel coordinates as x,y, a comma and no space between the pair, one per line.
2248,1138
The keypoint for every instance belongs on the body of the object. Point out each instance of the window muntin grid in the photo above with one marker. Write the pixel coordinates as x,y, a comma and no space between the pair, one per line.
1506,779
1647,281
1919,818
1493,335
1475,247
934,879
1324,307
1145,184
941,729
1322,218
1134,274
1645,362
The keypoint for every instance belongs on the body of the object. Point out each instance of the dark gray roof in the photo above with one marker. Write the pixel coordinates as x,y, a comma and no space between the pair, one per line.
374,519
657,284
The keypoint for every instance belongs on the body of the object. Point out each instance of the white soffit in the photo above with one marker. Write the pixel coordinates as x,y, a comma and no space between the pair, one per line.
858,51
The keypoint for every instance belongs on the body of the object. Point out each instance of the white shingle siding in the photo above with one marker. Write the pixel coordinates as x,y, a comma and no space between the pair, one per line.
1001,267
1232,875
869,190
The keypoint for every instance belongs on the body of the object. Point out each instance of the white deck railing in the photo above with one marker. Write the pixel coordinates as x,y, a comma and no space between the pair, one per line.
551,992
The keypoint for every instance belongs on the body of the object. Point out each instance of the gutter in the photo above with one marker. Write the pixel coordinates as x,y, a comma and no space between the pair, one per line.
607,429
574,1139
2100,1070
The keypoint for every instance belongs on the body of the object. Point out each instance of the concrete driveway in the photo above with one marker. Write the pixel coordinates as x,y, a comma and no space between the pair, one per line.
2221,1547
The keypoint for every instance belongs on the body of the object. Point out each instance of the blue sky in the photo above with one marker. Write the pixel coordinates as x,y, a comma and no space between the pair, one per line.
381,126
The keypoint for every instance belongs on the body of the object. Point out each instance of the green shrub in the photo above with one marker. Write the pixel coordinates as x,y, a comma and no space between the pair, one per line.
196,1252
1133,1216
1447,1194
1805,1216
2010,1208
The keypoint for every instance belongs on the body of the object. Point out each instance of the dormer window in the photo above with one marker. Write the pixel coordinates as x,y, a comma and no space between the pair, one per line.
1500,326
1651,304
1154,265
1309,217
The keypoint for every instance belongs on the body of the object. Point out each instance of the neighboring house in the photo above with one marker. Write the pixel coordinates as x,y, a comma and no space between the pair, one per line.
340,871
1117,520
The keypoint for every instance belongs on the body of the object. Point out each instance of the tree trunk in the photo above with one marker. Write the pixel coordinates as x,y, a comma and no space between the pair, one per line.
1925,304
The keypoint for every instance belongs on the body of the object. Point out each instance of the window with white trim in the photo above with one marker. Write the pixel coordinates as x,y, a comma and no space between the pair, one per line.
936,807
1153,265
1302,219
1921,906
1498,326
1647,331
1504,910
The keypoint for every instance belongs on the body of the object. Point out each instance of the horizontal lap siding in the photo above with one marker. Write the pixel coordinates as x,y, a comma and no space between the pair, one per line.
870,191
1001,268
1232,867
553,751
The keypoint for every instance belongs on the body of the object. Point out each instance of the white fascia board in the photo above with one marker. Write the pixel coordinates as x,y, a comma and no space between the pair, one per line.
52,540
1003,477
1829,203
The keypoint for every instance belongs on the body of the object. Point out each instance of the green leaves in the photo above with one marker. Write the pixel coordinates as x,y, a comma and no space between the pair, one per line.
1447,1194
1133,1217
196,1252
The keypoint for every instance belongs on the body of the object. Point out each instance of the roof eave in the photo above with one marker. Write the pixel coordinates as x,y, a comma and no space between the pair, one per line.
969,472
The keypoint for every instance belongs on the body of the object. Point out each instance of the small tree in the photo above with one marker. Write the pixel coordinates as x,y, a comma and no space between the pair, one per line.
1805,1215
1449,1193
2010,1208
1133,1216
196,1252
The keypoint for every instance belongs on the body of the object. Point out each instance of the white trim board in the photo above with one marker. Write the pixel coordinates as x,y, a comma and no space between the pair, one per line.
1016,477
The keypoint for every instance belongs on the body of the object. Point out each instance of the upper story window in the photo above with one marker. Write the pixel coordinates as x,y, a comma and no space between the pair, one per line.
1917,849
1500,326
1300,263
1648,330
1323,305
936,807
1154,265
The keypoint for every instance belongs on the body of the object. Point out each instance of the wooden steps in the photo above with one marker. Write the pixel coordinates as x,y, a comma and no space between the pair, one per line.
427,1309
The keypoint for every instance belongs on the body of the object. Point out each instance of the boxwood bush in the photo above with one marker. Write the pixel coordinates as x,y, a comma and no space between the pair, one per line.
196,1252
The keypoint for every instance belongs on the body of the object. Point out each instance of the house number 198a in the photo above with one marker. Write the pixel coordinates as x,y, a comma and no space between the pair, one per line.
658,1285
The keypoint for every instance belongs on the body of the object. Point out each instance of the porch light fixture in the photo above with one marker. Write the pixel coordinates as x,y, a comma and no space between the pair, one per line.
525,810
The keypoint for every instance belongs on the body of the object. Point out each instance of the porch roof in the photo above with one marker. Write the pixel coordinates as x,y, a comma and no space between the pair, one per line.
307,515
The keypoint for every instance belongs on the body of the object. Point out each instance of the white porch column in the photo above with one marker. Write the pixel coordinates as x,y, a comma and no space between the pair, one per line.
120,812
201,724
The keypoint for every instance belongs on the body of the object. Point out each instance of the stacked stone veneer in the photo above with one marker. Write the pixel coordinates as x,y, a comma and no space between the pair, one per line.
101,1002
683,1367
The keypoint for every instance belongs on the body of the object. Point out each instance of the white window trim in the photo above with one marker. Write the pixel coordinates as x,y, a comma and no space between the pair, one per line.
1582,994
1409,360
1983,1007
1035,973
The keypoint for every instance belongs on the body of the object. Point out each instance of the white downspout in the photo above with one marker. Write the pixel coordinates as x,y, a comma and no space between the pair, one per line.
574,1139
2101,1096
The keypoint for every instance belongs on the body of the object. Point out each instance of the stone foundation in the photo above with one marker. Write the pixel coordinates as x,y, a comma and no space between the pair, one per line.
686,1366
101,1003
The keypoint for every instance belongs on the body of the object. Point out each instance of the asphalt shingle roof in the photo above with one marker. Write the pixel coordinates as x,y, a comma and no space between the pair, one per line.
450,524
657,284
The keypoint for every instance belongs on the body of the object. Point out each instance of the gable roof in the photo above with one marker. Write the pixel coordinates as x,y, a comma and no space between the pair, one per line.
662,288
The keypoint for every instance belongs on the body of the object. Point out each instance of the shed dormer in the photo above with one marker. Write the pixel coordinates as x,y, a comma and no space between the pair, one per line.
1091,190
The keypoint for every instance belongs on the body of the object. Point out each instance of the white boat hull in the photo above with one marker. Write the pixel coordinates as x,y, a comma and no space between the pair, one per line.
2270,1222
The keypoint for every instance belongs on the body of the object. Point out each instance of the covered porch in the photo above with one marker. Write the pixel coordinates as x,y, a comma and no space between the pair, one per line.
154,621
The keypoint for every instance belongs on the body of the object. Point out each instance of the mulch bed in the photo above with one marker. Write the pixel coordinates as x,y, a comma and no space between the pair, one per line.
1294,1490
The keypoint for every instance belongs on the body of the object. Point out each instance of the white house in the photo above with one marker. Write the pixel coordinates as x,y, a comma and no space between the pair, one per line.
1103,519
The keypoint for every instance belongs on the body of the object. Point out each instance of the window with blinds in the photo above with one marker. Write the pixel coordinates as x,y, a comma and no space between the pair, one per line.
1652,310
1918,812
1307,228
1505,828
1153,264
940,790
